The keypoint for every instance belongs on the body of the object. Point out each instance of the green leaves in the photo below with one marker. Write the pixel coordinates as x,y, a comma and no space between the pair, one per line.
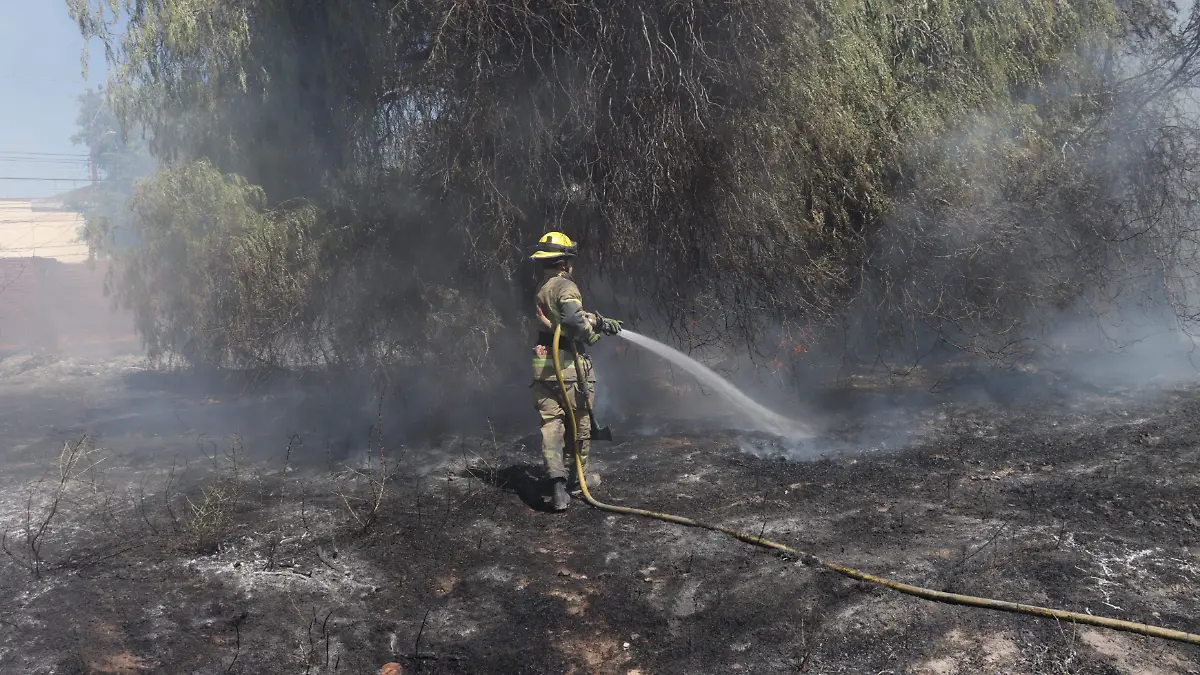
216,276
748,162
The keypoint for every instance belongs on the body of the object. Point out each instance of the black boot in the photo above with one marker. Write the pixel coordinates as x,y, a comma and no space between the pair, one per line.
560,499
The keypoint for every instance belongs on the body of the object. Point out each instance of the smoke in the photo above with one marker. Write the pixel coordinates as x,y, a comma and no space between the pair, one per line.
862,399
856,276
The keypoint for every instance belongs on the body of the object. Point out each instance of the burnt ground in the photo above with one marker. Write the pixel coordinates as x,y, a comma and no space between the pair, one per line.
177,547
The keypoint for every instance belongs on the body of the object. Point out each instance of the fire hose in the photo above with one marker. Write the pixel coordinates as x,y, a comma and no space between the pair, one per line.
812,560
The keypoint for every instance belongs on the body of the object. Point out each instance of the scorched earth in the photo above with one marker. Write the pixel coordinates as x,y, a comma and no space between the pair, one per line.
159,523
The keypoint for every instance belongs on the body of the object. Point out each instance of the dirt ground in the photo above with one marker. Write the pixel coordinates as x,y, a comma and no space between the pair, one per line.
175,546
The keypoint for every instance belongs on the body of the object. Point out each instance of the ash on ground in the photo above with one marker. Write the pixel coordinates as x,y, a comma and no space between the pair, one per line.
209,529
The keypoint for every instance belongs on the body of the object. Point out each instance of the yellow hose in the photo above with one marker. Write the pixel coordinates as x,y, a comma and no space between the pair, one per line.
812,560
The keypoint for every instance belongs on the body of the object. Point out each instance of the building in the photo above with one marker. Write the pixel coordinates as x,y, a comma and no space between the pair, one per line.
51,297
40,229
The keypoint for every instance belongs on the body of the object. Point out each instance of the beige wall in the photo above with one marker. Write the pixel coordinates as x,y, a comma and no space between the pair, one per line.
50,297
25,233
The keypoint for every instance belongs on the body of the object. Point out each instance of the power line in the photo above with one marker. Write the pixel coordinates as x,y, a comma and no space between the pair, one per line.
32,155
44,154
74,180
43,160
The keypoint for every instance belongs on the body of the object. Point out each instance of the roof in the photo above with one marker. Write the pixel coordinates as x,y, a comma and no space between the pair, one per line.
62,201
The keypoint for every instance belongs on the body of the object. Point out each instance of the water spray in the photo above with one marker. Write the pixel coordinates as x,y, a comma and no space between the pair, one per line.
808,558
760,417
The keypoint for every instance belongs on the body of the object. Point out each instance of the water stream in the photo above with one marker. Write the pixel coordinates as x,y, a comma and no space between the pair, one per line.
760,417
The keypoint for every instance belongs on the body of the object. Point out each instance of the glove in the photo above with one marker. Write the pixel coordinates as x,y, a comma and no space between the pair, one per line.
592,339
607,326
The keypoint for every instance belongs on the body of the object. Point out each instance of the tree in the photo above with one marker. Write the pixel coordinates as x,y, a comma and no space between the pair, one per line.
120,160
900,174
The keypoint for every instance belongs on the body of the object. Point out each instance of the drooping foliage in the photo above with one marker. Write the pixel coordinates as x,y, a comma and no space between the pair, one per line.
357,182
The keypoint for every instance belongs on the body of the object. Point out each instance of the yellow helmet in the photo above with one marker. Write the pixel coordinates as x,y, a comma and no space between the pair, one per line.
554,246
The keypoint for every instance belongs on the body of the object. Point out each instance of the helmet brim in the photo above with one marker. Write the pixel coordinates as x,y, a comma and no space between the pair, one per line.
546,256
548,251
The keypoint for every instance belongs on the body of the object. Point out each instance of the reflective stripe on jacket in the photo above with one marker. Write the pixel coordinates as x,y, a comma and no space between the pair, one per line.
543,367
557,295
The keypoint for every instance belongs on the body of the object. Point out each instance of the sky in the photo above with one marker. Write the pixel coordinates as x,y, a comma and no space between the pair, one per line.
40,78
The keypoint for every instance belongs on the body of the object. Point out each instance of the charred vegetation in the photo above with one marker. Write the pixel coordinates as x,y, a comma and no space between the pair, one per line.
354,185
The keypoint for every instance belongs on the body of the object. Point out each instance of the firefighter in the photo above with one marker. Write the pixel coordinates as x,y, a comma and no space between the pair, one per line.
559,301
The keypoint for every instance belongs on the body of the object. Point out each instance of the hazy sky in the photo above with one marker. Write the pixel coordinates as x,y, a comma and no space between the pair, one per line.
40,76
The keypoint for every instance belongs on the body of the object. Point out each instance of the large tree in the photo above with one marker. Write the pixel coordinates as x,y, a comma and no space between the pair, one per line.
357,182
